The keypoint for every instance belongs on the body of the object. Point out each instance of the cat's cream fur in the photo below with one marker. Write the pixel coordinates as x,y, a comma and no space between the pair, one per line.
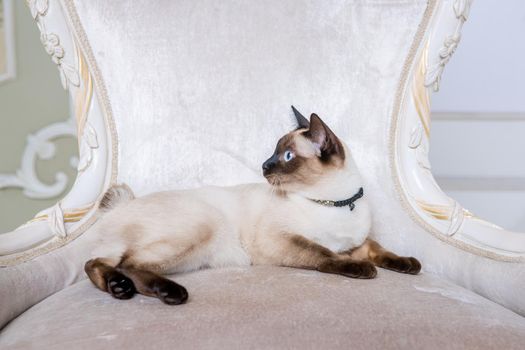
261,223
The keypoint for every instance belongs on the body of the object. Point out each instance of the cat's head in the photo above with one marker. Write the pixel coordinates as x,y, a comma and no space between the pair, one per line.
305,156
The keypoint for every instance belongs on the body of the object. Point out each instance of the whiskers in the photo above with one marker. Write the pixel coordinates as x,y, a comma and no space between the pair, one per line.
276,185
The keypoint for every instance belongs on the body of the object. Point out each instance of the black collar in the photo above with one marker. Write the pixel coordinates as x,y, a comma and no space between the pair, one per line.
350,201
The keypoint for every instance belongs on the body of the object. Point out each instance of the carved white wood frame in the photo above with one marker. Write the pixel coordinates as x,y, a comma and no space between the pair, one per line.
56,226
425,201
9,37
440,215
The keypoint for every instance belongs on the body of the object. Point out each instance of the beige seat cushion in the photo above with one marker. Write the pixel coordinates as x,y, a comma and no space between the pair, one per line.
269,307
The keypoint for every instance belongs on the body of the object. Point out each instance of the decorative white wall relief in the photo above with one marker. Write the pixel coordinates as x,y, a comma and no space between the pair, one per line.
40,146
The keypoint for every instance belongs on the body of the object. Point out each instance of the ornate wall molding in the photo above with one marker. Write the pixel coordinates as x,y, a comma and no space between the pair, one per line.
40,147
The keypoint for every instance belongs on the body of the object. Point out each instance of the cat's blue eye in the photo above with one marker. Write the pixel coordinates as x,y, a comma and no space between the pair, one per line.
288,156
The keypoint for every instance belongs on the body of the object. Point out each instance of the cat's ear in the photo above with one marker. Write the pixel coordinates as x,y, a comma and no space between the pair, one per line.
323,138
302,122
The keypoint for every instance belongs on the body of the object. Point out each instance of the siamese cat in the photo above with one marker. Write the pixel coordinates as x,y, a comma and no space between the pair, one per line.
312,214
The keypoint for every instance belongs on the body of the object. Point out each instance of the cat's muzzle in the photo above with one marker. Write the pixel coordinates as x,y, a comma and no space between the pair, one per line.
269,165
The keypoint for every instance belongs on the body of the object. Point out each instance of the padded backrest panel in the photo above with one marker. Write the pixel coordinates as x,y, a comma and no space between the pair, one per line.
201,90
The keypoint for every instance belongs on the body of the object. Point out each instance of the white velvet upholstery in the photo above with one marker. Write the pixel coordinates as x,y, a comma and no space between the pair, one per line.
201,90
273,308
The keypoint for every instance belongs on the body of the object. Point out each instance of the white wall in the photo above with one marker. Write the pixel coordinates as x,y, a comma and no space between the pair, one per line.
478,131
487,72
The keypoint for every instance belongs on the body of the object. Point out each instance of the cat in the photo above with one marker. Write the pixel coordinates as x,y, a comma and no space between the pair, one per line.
312,214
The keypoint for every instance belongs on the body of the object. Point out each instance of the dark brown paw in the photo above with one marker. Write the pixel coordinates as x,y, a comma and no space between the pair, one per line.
350,268
120,286
170,292
359,269
408,265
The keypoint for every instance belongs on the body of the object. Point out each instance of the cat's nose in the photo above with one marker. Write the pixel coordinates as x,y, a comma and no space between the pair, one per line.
268,165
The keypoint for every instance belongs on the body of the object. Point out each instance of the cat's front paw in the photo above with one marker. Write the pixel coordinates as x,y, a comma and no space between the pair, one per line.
350,268
120,286
359,269
408,265
170,292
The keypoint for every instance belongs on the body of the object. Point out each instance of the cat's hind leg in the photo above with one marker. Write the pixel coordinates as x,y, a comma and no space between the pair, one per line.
379,256
123,280
151,284
103,273
293,250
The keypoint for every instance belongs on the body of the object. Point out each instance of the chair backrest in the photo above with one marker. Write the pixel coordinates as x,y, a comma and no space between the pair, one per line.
201,90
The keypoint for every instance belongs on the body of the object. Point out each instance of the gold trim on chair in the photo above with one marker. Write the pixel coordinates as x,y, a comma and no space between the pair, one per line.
71,215
84,93
420,93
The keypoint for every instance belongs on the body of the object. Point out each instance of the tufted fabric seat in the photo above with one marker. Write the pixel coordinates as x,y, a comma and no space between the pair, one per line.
269,308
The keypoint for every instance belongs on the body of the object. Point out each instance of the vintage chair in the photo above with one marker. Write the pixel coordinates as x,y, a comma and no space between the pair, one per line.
178,94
